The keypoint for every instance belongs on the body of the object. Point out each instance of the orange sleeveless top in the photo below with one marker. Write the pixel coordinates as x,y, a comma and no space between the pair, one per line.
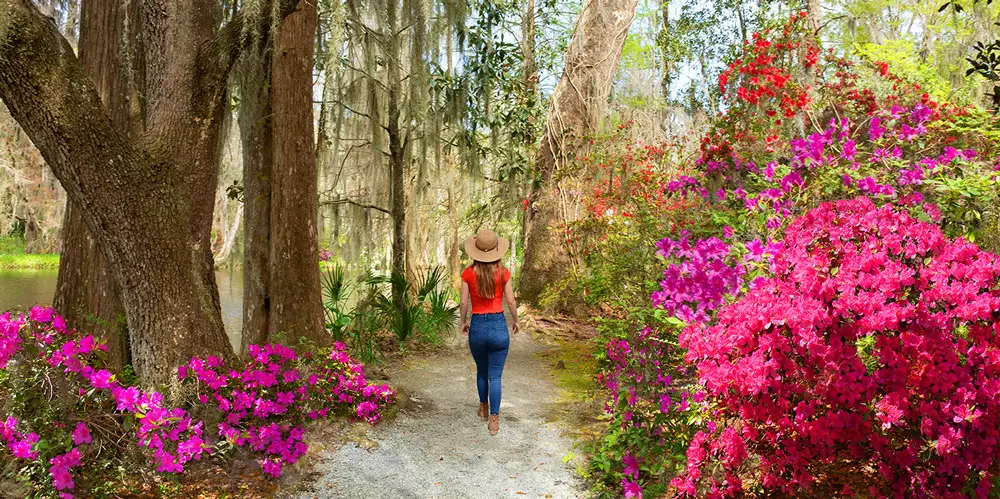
482,305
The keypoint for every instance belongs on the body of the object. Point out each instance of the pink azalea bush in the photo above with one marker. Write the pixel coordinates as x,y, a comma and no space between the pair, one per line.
267,401
656,404
699,280
873,346
56,388
797,407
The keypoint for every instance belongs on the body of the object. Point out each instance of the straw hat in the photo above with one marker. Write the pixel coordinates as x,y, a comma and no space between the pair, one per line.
485,246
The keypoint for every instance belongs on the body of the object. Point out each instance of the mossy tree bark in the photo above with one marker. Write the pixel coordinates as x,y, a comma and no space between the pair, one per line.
147,200
281,258
258,158
86,293
576,107
397,153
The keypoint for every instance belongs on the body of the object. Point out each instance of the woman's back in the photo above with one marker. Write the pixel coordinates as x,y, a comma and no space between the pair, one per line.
481,304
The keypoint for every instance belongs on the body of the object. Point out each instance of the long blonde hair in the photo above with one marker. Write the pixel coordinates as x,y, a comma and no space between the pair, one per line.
486,275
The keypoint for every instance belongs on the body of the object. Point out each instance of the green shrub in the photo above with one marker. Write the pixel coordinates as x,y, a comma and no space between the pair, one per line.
426,310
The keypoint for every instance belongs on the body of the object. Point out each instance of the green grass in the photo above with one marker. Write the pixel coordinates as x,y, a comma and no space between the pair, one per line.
23,261
12,256
577,378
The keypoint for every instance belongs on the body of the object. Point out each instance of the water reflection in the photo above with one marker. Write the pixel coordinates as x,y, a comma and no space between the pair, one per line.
230,284
22,289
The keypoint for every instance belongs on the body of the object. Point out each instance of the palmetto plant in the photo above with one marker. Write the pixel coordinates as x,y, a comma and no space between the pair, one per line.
425,309
429,282
440,315
400,319
336,291
336,288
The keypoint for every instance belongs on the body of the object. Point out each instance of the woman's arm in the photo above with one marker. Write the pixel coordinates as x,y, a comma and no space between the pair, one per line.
463,308
508,293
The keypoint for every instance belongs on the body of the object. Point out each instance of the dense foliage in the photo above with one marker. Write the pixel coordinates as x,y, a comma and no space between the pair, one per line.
654,404
357,311
617,205
834,347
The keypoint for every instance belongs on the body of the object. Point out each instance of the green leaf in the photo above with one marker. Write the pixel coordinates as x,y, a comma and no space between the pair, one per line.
674,321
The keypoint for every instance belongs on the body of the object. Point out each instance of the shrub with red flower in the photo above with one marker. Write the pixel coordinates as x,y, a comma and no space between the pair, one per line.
860,129
616,202
873,351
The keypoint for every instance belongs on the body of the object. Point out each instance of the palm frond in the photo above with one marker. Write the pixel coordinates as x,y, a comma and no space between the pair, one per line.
335,286
430,282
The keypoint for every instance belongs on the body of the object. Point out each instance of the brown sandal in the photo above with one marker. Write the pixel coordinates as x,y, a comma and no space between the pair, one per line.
484,411
494,425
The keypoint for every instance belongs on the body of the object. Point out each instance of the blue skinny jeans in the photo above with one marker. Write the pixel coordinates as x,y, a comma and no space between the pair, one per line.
489,341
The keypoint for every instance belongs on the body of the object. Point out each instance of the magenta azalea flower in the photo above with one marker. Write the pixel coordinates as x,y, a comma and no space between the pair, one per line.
41,314
81,435
59,324
632,489
755,250
850,149
631,465
23,448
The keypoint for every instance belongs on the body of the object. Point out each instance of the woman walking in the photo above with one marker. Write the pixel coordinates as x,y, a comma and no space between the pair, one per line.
485,284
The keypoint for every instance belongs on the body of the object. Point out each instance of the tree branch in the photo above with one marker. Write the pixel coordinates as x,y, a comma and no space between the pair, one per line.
355,203
345,106
44,87
217,58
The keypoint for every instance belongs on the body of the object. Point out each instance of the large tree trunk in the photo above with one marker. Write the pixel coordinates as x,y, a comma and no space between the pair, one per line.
258,158
576,107
815,16
146,201
86,293
296,303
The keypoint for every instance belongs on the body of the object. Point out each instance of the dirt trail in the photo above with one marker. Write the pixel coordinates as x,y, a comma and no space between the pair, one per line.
437,448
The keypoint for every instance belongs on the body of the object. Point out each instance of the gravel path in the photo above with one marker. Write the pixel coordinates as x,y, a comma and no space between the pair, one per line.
438,448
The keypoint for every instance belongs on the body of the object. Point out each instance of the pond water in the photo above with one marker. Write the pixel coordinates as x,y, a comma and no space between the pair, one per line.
22,289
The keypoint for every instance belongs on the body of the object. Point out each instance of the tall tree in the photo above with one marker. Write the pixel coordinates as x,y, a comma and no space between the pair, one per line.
575,110
86,293
296,304
398,143
281,272
256,130
386,84
146,200
530,70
